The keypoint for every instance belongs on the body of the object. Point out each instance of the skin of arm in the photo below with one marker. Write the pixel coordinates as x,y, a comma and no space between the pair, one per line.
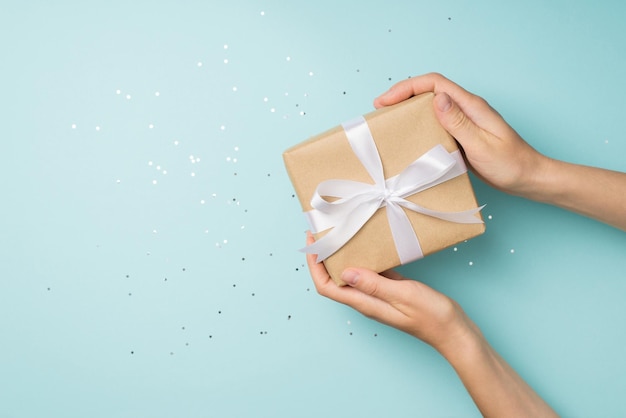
413,307
501,158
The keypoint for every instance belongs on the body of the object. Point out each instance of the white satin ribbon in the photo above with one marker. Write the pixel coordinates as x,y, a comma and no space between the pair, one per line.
357,202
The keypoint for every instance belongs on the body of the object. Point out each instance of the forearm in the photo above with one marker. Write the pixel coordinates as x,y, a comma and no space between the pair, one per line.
495,387
589,191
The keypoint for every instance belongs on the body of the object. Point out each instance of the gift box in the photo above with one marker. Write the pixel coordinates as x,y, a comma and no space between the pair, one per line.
384,189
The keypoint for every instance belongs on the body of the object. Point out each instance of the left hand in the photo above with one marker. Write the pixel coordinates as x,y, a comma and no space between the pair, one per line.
494,151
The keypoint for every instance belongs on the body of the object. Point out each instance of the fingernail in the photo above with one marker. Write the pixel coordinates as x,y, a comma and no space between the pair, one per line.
443,102
350,276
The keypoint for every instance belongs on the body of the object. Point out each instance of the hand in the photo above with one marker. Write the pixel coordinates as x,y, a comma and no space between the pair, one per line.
415,308
405,304
495,152
500,157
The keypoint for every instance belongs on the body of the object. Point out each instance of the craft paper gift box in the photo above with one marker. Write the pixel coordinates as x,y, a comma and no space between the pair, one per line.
387,208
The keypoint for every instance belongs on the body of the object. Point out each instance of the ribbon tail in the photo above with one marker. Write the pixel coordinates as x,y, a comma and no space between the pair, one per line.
405,240
342,233
462,217
326,215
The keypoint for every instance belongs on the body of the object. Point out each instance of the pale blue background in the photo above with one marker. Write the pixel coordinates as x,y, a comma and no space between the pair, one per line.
187,298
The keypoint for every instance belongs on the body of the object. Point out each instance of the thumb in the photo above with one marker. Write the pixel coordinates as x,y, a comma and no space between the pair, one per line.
453,120
369,282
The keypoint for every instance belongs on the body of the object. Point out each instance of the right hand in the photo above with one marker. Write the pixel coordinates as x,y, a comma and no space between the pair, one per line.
404,304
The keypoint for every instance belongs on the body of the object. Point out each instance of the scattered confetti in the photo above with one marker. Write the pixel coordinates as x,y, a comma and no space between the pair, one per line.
215,158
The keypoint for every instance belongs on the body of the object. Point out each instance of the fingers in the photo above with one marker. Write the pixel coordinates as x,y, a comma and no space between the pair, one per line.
455,121
324,284
372,284
321,278
354,297
413,86
393,275
474,107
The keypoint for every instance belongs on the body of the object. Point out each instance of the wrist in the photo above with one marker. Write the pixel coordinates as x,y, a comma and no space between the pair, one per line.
462,339
539,179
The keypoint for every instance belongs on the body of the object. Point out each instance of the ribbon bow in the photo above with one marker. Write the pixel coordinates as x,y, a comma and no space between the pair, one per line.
357,201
